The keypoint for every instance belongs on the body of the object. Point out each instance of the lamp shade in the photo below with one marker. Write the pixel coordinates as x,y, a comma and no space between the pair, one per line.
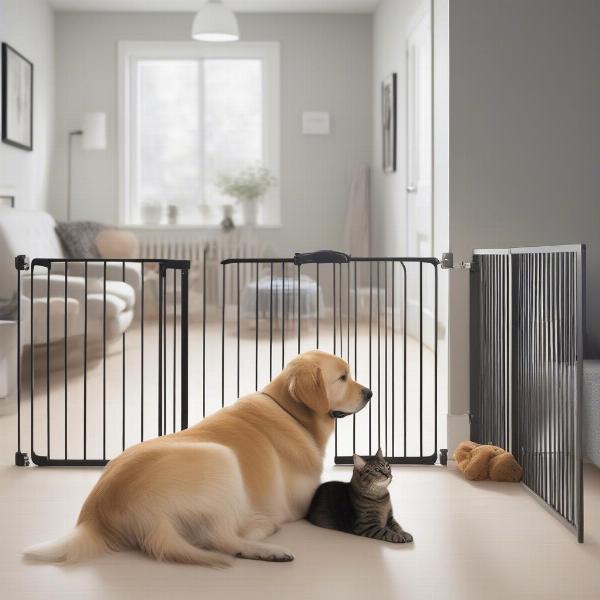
94,131
215,22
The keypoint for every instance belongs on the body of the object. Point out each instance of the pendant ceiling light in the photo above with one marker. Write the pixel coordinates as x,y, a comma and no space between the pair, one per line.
215,22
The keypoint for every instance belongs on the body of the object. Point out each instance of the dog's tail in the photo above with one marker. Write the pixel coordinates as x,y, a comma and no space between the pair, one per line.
164,542
81,543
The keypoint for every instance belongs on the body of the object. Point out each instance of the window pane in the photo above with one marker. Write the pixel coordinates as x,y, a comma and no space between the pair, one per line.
196,119
233,119
169,136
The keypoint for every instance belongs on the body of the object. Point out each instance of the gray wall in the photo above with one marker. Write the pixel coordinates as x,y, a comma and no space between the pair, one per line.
325,65
392,22
524,142
28,26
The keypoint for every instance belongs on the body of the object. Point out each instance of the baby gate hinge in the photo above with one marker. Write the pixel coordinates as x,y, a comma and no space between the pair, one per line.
21,262
448,262
21,459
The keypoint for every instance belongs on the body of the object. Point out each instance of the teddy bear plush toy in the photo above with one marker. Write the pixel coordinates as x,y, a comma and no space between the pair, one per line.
479,462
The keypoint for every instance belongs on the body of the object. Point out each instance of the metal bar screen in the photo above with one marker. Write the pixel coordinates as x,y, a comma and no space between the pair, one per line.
527,328
378,314
96,371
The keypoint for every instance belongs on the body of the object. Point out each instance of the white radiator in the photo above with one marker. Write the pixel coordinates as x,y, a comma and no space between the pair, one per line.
194,245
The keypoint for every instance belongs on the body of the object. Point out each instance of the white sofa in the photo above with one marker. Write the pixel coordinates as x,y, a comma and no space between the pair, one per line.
33,233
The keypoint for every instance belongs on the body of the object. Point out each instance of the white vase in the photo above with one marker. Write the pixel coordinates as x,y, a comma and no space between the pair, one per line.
151,214
250,211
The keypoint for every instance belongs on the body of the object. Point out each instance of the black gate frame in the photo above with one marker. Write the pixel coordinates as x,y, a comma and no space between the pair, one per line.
336,260
164,266
527,327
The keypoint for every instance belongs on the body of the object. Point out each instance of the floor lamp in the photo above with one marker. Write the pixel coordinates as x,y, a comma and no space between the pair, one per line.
93,137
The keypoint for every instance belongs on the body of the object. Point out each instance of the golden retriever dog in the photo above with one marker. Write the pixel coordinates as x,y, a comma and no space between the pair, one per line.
219,488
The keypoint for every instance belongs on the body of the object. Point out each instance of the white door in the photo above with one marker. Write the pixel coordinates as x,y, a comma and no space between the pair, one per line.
419,204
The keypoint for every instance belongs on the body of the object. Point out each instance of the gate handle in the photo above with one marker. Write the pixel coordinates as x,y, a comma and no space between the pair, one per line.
321,256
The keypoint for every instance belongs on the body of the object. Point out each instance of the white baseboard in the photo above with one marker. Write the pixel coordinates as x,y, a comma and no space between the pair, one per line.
459,430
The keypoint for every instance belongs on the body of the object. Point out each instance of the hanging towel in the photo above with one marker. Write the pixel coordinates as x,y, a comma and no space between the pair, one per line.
357,231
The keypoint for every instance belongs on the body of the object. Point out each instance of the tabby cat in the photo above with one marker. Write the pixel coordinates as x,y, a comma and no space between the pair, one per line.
361,507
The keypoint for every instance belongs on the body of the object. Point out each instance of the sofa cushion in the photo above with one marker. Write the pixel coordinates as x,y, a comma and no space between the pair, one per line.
56,311
24,232
79,238
116,288
95,306
117,243
114,327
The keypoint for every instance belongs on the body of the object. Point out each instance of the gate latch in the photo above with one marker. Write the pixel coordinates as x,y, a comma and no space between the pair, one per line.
448,262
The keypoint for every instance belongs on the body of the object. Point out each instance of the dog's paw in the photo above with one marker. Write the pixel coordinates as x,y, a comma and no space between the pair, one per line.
284,557
269,553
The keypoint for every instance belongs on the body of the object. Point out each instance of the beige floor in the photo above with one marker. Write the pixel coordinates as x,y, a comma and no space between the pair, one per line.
478,541
475,541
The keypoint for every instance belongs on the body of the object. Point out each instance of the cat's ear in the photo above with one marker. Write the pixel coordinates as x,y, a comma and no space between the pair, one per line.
359,462
379,454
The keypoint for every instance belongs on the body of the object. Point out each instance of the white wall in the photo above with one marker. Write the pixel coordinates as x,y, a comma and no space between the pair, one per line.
441,134
325,65
524,144
392,22
28,26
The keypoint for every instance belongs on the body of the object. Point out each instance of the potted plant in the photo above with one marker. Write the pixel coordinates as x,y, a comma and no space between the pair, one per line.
248,187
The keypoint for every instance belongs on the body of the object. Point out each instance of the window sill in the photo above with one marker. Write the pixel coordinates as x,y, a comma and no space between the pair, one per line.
191,227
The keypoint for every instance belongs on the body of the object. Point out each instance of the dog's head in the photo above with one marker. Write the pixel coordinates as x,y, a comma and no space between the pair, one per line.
323,383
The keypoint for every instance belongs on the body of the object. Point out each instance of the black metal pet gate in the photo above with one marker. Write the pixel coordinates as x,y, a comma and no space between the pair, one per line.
90,390
94,386
73,381
527,329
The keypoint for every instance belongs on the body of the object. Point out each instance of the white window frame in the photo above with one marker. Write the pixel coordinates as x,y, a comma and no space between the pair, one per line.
128,55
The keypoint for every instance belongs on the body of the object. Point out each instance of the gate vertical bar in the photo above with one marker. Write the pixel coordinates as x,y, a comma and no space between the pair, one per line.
47,361
223,340
65,360
141,353
204,255
103,362
580,330
174,348
123,373
32,357
160,347
184,346
85,341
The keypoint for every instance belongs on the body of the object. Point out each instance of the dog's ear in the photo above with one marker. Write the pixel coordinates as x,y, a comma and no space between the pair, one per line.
306,384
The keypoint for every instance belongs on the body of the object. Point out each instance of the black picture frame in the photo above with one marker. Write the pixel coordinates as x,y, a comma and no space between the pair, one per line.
389,123
17,94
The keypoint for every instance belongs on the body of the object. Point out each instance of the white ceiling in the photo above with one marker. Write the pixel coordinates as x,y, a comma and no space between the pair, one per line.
306,6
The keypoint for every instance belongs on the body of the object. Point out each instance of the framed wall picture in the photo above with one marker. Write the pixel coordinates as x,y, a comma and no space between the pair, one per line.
17,99
388,123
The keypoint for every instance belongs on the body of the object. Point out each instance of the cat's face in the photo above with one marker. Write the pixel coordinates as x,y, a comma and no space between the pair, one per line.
374,473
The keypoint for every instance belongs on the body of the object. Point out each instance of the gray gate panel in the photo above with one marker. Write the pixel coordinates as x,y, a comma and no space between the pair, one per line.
527,328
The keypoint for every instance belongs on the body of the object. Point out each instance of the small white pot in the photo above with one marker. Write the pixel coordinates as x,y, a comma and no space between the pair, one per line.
250,211
151,214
